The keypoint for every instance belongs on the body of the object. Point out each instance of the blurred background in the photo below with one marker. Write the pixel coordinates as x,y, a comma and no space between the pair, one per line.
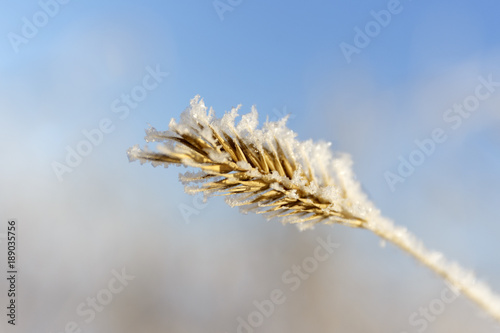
80,81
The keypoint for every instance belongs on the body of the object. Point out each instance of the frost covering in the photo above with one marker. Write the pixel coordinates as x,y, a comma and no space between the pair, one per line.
269,171
266,169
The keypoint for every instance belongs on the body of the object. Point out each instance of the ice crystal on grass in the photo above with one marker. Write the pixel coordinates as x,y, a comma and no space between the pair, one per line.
265,169
269,171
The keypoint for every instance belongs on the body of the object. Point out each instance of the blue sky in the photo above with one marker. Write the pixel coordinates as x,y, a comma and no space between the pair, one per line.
285,57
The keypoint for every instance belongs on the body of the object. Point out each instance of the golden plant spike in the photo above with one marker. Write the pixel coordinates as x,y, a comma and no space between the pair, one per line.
268,171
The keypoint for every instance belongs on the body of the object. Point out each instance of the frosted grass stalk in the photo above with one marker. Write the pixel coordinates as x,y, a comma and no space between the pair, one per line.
267,171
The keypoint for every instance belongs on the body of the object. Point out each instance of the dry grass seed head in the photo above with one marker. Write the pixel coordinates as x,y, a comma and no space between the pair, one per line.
266,171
